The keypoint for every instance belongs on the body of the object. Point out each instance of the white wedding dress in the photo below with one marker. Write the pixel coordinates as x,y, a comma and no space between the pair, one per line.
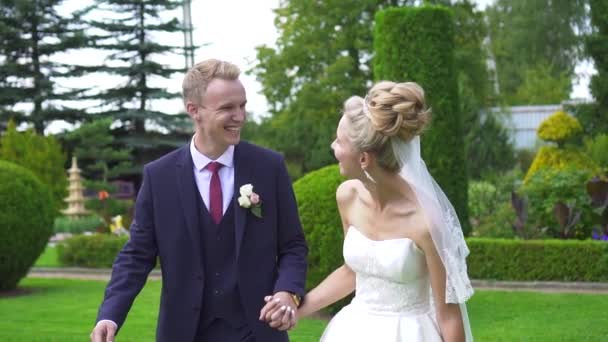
392,300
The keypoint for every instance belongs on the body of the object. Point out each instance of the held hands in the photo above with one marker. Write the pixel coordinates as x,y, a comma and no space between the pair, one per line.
104,332
279,311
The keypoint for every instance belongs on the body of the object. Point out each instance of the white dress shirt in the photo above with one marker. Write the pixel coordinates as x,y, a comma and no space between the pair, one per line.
203,176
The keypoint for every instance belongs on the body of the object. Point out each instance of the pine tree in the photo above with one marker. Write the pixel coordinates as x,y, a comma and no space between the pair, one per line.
129,31
32,33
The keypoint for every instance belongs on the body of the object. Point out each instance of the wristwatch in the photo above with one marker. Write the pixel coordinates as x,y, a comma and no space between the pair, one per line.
296,299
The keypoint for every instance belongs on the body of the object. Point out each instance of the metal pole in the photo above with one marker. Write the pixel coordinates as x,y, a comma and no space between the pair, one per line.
188,41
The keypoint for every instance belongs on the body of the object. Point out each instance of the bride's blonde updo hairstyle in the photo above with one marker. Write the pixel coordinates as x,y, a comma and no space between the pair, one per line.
389,110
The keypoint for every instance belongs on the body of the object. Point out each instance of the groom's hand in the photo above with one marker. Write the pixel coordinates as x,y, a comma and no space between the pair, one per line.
279,311
104,332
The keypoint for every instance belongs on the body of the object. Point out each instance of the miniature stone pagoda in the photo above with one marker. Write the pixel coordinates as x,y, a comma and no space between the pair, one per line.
75,199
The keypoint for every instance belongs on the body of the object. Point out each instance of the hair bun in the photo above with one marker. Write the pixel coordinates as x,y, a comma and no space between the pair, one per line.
397,109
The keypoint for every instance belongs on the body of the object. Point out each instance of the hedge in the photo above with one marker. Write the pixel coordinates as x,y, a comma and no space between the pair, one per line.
97,250
26,222
545,260
417,44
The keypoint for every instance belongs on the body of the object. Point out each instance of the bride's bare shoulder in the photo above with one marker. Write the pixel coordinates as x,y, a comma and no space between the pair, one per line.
347,191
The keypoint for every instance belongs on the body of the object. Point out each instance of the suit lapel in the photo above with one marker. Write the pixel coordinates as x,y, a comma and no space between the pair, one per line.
242,175
188,192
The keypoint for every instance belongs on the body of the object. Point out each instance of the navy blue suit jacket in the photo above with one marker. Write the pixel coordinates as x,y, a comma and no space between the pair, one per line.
271,251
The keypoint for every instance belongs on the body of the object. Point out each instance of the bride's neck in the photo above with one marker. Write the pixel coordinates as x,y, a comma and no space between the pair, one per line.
386,189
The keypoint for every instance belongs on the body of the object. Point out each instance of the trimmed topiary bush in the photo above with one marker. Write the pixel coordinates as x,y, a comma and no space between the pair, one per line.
417,44
559,127
547,260
554,158
97,250
26,222
316,198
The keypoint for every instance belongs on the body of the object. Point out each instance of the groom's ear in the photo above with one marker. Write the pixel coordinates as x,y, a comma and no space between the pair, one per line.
192,110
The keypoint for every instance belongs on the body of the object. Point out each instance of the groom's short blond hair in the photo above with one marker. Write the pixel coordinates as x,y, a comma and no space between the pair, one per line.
201,74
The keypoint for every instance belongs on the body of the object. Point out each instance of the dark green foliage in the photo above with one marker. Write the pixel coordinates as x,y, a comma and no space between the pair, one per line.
417,44
26,222
547,187
316,197
593,118
544,260
99,155
97,250
489,149
33,33
40,154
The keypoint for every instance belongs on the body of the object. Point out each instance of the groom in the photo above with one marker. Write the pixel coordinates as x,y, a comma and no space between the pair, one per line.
221,216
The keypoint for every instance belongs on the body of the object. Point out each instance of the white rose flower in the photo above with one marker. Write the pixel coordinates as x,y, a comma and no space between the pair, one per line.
246,190
244,201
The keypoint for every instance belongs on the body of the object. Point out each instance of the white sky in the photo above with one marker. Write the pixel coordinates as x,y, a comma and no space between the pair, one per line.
230,30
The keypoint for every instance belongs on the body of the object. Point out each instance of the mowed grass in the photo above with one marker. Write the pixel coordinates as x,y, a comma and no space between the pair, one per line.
65,310
48,258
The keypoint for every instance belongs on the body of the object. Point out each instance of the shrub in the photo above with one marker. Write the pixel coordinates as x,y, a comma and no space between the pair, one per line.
496,224
90,223
417,44
554,158
559,127
40,154
597,150
26,222
546,260
547,187
97,250
316,198
482,199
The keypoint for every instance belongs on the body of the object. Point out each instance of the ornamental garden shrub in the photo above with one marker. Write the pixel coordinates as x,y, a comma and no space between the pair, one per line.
26,222
316,198
562,130
547,260
40,154
546,188
417,44
97,250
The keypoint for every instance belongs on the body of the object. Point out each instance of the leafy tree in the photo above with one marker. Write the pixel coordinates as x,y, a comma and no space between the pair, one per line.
40,154
33,32
525,34
322,57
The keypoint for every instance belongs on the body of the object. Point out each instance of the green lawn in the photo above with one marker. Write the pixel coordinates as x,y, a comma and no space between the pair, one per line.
48,258
64,310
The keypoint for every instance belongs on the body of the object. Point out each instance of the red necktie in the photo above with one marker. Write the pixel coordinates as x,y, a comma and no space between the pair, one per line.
215,192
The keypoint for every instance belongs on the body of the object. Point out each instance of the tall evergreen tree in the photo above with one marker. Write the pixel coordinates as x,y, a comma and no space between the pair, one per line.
129,32
32,33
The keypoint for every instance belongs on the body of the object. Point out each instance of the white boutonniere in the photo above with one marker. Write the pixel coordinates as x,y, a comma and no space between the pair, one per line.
250,200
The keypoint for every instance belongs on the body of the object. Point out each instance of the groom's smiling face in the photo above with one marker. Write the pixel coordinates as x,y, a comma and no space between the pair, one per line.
221,115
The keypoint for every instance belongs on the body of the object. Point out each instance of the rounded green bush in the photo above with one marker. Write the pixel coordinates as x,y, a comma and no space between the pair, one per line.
96,251
26,222
316,197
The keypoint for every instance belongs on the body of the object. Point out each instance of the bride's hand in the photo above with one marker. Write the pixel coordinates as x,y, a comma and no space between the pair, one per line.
279,312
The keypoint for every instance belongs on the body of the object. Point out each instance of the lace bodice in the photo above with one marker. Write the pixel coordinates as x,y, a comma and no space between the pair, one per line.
391,275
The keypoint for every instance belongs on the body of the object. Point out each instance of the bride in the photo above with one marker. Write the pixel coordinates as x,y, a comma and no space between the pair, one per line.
404,250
